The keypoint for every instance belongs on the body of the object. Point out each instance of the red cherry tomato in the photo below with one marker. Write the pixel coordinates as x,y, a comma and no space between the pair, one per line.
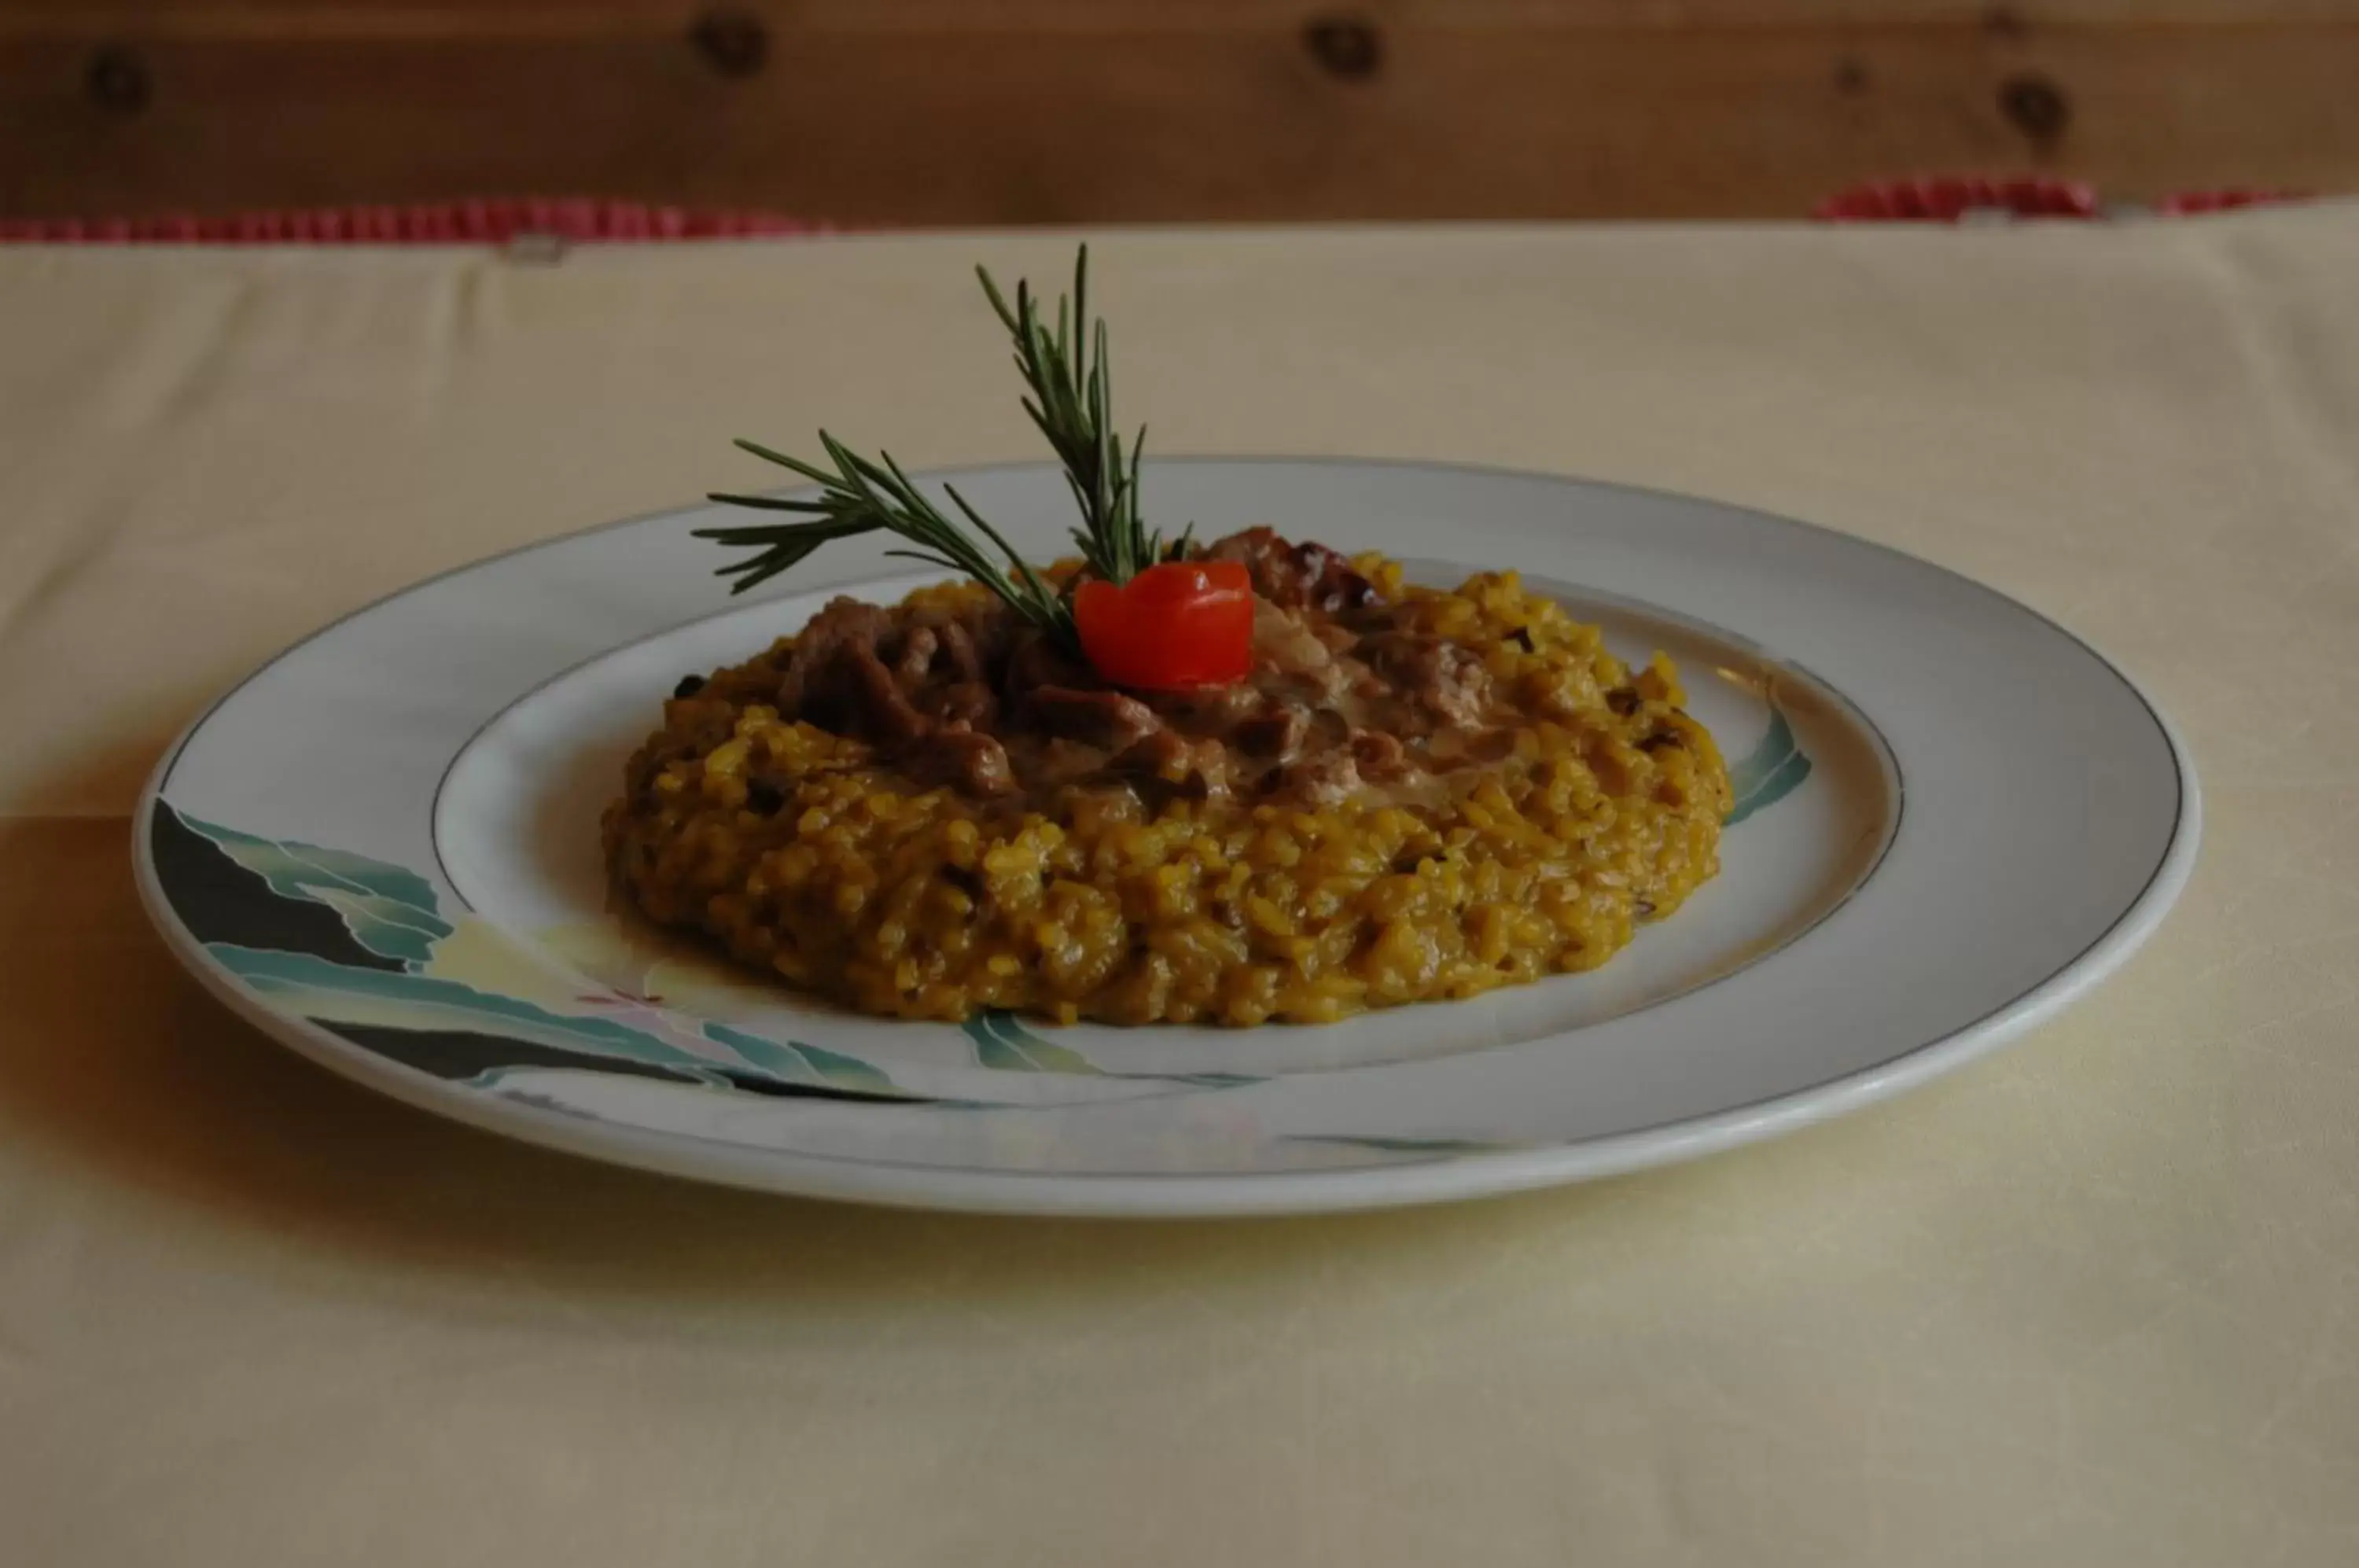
1184,623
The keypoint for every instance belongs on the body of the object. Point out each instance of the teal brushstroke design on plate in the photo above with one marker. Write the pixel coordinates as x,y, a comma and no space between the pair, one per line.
1003,1044
319,988
390,912
1773,770
793,1059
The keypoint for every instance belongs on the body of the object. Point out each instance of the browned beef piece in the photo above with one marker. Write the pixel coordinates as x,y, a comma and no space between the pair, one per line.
972,762
1295,576
1034,661
839,679
1456,685
970,702
917,657
1100,717
1171,759
844,623
961,652
1327,779
1378,755
1447,679
1205,708
1158,751
1277,732
878,707
1287,646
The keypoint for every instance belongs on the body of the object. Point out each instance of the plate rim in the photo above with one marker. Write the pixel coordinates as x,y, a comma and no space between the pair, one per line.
1457,1175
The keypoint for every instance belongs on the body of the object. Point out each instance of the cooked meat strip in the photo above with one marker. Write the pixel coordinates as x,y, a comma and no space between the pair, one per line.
959,652
975,763
1099,717
1326,780
1034,661
1277,732
1445,679
1378,754
880,708
843,624
1295,576
1287,650
916,660
1206,708
970,702
1200,768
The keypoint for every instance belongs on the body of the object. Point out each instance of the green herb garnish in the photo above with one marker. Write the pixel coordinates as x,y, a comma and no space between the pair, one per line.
1071,376
1071,400
862,496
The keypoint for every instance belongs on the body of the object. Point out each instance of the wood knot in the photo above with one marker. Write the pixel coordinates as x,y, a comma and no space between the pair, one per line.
1349,48
118,80
2035,105
734,43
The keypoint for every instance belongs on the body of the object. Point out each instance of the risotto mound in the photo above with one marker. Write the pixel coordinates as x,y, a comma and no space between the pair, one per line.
926,809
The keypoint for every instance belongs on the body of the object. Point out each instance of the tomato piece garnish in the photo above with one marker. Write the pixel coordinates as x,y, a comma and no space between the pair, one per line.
1181,624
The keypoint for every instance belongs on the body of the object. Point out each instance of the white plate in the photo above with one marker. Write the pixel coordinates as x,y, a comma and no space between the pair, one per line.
1954,818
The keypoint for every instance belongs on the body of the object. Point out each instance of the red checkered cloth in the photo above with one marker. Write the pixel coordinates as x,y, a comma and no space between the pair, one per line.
1944,199
447,223
2192,201
1939,199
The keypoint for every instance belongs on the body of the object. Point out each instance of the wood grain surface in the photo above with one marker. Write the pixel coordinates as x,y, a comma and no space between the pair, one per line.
889,111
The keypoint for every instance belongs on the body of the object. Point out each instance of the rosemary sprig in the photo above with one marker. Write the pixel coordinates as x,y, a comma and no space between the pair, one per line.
1069,372
862,495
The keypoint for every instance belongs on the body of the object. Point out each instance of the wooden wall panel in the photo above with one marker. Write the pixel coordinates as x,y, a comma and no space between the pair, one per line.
930,111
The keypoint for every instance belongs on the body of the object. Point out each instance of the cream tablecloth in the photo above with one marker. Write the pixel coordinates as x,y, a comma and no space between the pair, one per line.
2089,1301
